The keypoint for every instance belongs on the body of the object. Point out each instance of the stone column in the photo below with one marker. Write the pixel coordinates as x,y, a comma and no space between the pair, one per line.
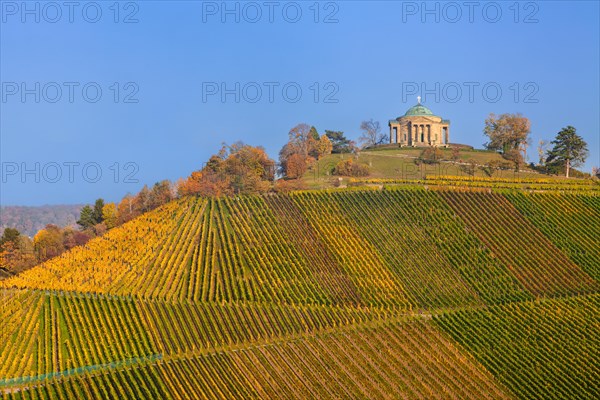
416,134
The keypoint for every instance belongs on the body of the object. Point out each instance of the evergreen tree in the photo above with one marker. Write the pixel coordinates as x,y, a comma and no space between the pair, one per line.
570,150
86,217
97,214
10,235
339,142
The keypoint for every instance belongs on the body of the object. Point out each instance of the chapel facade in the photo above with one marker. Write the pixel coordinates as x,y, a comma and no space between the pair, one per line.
419,127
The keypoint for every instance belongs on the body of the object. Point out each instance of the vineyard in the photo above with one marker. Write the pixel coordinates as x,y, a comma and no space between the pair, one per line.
405,292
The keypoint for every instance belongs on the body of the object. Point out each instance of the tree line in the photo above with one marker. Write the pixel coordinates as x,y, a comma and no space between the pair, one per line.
18,252
509,134
243,169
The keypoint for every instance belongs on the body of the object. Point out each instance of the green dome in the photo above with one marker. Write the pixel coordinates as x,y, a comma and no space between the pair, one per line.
419,109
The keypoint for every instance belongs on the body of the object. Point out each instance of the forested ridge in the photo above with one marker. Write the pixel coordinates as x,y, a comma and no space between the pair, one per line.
29,220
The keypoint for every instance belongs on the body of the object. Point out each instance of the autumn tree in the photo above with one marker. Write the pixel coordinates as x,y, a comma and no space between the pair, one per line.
72,237
508,134
249,169
16,253
141,201
296,166
209,181
161,193
299,139
285,153
125,209
81,238
8,254
109,215
236,169
68,237
570,150
350,167
48,243
371,133
188,186
10,250
300,151
324,146
304,147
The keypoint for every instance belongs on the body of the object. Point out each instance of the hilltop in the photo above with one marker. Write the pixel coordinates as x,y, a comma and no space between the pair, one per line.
403,163
406,291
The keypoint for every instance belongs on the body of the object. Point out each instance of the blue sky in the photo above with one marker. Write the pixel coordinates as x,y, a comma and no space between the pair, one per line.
161,67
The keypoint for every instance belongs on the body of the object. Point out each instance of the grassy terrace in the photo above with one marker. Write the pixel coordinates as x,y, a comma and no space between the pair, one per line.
399,163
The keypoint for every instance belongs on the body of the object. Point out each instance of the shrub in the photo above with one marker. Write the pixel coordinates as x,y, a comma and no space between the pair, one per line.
350,168
431,155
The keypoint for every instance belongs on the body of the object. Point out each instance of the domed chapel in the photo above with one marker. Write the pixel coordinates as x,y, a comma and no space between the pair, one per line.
419,127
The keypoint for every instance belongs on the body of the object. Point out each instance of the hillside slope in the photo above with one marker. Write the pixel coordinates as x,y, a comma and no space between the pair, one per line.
392,162
396,293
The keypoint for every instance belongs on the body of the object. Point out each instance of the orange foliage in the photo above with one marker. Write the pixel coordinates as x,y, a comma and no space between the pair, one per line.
237,169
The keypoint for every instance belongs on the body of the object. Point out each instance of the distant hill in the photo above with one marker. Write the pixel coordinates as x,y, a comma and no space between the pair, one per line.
418,291
29,220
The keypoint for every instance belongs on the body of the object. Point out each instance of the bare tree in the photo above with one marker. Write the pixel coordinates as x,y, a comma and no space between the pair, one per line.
542,149
371,133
